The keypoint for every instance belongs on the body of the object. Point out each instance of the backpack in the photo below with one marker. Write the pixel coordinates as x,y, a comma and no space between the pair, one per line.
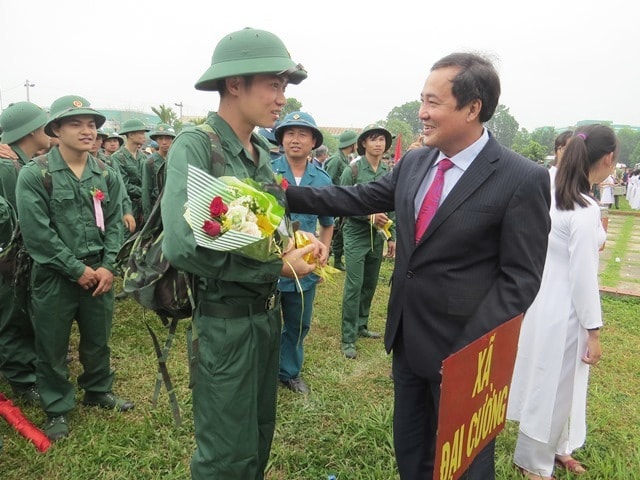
156,285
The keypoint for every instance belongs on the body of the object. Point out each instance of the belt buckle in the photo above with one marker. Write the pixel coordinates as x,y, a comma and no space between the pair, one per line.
270,303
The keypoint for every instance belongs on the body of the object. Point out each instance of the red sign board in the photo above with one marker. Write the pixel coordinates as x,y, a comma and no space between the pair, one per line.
473,398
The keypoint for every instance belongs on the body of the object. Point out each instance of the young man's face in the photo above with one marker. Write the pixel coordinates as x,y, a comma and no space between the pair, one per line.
374,145
77,133
137,138
297,142
97,144
111,145
164,142
262,101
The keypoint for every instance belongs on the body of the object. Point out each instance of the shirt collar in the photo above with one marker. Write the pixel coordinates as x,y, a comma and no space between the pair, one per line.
464,158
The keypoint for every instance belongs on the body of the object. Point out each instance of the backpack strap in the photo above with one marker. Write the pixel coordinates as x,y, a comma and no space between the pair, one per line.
218,162
43,162
354,170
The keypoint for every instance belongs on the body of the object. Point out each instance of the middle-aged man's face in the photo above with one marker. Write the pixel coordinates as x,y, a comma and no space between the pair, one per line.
297,142
446,128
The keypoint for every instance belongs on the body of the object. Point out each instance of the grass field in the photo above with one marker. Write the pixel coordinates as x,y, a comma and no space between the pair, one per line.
342,428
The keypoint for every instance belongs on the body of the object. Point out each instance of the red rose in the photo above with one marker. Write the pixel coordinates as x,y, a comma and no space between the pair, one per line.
217,207
98,195
212,228
284,184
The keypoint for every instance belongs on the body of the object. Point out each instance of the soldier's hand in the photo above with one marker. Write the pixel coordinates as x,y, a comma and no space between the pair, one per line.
294,264
129,222
88,278
322,256
7,152
105,281
380,220
391,249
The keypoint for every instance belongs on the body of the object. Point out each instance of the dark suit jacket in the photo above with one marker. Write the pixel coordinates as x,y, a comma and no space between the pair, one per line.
478,264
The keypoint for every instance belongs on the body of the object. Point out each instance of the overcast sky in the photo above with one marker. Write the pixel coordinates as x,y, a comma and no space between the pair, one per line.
560,61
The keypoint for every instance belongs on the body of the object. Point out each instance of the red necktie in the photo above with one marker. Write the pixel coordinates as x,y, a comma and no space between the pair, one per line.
432,199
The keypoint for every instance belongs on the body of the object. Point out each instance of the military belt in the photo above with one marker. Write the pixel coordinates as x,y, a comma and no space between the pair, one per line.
91,259
225,310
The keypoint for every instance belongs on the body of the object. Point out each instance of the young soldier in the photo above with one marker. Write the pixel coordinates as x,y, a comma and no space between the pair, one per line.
129,159
153,169
299,135
363,246
23,130
112,143
334,166
237,315
71,226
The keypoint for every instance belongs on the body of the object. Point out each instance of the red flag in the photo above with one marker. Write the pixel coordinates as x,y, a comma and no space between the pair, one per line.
398,152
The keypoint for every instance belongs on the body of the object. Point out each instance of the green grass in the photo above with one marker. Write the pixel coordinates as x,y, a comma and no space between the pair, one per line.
610,276
344,427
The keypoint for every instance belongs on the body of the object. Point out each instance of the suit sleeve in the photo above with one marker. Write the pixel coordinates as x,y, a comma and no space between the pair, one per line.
523,247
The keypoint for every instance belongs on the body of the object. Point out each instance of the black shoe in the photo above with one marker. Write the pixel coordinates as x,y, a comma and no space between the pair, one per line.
27,393
107,400
364,333
56,427
349,350
296,385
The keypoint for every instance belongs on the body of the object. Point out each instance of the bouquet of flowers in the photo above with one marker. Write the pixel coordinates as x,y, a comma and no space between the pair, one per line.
239,216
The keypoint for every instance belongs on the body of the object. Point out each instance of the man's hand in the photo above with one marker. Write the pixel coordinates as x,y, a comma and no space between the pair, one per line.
88,278
322,255
293,262
391,249
380,219
129,222
7,152
105,281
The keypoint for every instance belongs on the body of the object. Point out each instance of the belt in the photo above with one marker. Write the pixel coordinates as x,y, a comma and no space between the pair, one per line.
91,259
225,310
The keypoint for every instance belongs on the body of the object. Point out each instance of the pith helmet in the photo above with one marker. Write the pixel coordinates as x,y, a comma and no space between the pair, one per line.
69,106
347,138
103,134
133,125
269,133
299,119
112,134
162,130
250,52
20,119
378,129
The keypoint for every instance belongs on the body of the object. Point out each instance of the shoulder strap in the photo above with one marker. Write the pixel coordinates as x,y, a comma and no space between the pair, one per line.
354,171
217,158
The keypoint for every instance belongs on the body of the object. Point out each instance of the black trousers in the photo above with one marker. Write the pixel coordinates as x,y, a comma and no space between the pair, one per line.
415,423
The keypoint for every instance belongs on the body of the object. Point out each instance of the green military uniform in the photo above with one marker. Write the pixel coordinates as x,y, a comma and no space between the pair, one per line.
234,396
17,341
153,175
7,219
363,248
334,166
130,168
61,236
17,338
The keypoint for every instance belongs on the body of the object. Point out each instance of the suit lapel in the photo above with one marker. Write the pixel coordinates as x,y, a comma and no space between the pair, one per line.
482,167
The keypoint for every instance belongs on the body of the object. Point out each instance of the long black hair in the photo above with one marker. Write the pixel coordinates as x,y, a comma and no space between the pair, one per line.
587,146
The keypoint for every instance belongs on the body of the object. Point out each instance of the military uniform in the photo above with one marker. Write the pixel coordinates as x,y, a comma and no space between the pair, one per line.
130,168
17,340
297,300
61,236
236,318
154,171
363,248
23,124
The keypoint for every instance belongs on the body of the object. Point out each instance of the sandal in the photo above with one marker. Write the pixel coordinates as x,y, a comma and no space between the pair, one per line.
533,476
571,465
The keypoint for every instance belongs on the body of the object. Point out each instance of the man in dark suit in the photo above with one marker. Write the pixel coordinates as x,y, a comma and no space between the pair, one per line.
478,263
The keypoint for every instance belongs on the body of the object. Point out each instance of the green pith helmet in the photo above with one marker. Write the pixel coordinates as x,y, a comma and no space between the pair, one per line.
374,128
133,125
103,134
69,106
347,138
250,52
20,119
112,134
299,119
162,130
